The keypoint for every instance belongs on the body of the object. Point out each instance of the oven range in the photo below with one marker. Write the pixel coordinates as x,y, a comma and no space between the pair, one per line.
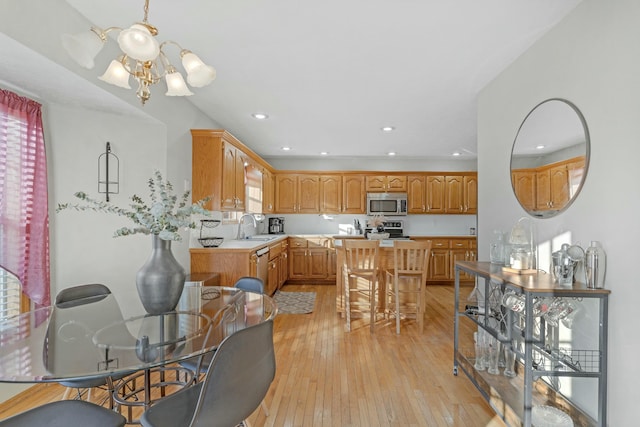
394,228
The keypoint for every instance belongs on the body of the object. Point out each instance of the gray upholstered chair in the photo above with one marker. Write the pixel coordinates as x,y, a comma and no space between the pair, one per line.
66,413
238,378
78,296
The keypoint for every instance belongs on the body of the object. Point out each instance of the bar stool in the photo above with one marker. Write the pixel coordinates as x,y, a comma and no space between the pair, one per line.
410,265
361,265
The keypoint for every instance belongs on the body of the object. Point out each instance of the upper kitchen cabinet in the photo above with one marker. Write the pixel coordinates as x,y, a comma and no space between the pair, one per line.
548,188
297,193
524,185
552,185
442,194
219,171
461,195
331,194
353,194
233,177
268,192
386,183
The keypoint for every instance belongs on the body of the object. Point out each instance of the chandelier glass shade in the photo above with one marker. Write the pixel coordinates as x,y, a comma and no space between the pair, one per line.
143,58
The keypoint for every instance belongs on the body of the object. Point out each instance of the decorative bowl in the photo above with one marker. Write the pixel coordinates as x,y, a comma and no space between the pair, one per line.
211,242
377,236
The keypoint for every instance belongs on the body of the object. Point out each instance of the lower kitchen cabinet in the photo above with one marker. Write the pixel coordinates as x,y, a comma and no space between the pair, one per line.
309,259
445,252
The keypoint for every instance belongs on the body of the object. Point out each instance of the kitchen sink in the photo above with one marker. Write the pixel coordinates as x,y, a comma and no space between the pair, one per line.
261,237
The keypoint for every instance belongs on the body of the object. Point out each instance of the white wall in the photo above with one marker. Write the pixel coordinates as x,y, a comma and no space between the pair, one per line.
591,59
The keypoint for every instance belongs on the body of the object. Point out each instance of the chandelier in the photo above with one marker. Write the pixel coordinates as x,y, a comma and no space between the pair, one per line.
143,58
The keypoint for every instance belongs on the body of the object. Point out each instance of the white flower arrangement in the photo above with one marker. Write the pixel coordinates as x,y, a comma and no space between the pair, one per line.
376,222
164,217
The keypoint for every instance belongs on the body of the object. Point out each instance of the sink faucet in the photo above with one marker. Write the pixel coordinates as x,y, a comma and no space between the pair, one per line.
241,234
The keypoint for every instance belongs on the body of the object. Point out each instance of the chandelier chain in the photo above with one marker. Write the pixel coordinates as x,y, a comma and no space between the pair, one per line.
146,11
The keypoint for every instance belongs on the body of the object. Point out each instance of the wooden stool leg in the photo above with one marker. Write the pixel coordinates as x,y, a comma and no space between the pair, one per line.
372,301
422,300
396,286
347,303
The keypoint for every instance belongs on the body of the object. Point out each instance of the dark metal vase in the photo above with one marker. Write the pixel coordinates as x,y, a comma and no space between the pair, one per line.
161,279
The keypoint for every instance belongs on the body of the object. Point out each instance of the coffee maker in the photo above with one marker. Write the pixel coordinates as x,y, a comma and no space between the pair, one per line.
276,225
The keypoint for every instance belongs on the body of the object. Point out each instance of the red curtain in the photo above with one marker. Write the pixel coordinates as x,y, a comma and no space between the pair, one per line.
24,217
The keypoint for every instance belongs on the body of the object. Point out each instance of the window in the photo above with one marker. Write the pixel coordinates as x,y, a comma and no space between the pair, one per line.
24,220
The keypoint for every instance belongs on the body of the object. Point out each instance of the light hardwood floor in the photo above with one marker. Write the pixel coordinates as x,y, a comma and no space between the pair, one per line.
327,377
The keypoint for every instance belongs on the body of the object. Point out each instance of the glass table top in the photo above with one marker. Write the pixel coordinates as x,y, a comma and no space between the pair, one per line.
93,339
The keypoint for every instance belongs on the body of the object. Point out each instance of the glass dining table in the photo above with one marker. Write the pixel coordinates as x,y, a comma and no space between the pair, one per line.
92,339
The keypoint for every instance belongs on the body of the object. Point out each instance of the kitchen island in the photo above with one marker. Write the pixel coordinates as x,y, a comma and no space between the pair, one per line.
445,252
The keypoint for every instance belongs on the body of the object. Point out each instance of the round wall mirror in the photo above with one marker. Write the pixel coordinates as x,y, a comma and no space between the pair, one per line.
550,157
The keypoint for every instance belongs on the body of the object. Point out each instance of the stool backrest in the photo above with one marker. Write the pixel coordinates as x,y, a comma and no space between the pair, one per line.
411,257
361,255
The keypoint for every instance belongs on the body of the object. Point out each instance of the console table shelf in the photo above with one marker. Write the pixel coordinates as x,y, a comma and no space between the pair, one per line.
546,353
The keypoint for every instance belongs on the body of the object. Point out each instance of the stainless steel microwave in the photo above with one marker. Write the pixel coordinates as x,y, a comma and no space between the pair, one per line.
388,204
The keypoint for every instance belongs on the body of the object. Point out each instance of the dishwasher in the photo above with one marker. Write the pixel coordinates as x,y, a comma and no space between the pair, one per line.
262,265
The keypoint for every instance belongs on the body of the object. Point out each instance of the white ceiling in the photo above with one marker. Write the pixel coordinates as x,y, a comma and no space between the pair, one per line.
331,74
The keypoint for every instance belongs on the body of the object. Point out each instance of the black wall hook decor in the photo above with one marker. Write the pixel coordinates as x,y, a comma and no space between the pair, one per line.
108,172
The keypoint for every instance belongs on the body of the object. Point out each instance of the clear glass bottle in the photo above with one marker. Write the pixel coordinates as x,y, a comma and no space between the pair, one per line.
496,253
596,265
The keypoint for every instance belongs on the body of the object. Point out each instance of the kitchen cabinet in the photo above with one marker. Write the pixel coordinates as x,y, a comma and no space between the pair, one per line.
268,192
236,262
439,263
442,194
461,250
524,186
274,274
297,193
308,258
436,190
548,187
552,361
232,197
416,194
230,264
284,263
445,252
330,194
385,183
353,195
218,170
461,195
552,187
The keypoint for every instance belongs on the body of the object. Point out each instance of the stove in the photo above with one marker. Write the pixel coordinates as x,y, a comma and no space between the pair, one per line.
394,228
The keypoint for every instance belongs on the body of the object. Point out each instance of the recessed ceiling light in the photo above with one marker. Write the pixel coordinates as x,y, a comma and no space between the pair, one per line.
539,147
388,129
286,148
260,116
457,153
391,153
324,153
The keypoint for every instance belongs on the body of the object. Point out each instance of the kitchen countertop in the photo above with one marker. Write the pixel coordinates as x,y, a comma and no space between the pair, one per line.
251,245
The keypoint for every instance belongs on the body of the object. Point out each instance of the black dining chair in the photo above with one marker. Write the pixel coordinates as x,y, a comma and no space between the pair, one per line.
66,413
79,296
237,379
